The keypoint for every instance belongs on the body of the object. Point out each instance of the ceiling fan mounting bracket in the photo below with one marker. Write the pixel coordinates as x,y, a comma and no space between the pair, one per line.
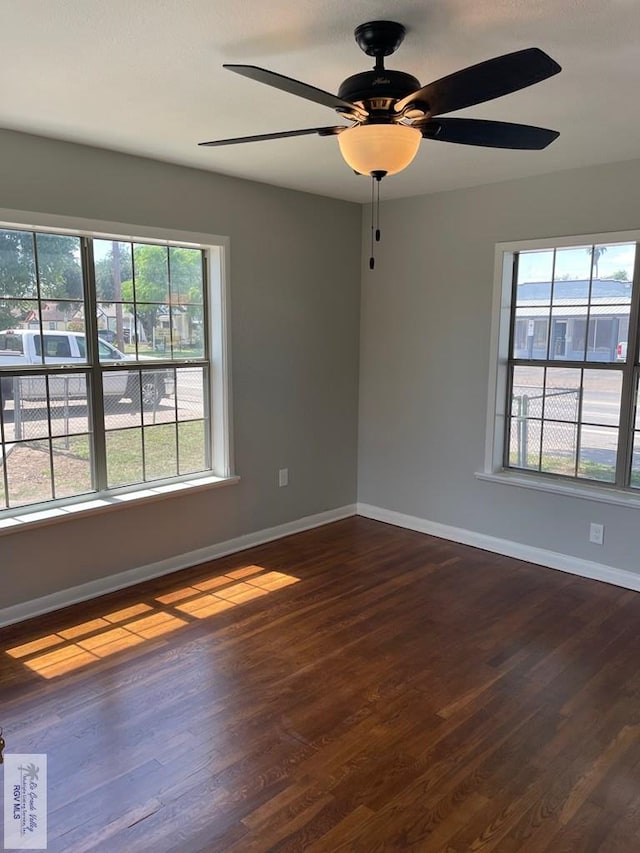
379,38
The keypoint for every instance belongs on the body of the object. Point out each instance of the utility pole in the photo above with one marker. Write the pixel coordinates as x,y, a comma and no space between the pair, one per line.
117,293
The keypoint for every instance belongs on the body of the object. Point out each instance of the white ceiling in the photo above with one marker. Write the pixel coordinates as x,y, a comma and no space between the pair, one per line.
145,77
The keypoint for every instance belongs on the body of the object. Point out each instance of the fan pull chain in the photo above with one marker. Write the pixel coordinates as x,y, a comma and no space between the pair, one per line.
376,177
372,260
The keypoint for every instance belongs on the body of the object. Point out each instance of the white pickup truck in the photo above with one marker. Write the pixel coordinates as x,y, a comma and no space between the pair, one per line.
22,347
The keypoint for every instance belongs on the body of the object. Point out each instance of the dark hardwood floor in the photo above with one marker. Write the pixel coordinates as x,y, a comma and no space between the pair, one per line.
355,687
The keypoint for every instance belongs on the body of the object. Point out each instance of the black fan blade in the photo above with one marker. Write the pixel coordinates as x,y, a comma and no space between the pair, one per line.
295,87
484,81
322,131
492,134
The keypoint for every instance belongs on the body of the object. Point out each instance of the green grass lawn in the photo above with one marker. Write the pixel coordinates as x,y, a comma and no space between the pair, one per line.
134,455
157,449
565,466
145,351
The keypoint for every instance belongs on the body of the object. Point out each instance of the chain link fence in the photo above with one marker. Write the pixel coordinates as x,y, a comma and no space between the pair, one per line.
530,406
32,422
32,411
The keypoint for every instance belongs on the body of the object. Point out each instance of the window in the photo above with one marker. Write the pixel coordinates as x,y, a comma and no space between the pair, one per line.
106,354
10,342
568,366
55,346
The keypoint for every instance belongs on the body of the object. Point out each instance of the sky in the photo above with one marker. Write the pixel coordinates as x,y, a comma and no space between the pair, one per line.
575,263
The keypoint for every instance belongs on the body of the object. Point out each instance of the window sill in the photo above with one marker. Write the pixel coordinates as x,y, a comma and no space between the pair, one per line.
30,517
584,491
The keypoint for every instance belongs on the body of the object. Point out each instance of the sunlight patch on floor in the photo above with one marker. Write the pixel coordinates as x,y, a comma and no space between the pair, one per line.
78,645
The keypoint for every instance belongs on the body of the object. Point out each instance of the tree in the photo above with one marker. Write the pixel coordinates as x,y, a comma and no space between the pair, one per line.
598,251
618,275
59,273
151,284
186,288
163,277
59,267
17,275
105,267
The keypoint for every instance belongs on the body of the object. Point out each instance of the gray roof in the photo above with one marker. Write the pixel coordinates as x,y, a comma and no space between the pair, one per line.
577,289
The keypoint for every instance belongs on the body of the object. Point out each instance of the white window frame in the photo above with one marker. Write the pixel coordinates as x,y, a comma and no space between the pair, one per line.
222,473
493,470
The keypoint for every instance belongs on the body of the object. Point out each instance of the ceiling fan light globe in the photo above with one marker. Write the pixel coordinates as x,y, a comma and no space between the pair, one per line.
386,148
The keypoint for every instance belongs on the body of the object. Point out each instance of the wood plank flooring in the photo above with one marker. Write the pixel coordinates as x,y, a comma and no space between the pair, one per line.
353,688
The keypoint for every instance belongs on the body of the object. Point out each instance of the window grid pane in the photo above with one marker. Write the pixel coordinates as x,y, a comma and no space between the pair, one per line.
150,307
571,305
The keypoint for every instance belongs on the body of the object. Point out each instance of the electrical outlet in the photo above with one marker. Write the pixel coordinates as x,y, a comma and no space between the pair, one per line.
283,477
596,533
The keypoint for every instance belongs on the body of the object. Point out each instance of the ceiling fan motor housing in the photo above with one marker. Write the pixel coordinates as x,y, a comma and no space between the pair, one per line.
377,85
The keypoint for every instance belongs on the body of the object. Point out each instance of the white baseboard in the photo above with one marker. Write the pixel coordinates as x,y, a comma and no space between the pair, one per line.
92,589
507,547
528,553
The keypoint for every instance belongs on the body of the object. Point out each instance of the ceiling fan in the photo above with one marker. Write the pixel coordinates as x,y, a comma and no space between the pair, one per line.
390,113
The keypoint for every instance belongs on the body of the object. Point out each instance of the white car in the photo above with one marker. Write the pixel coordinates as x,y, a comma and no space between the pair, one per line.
22,347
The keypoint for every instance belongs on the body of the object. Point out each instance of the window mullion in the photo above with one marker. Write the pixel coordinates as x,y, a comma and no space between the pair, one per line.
627,403
550,321
3,467
578,424
206,316
36,262
95,374
209,368
50,439
508,426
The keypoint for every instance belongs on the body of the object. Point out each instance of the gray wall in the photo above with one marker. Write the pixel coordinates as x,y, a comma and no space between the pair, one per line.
425,329
295,276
